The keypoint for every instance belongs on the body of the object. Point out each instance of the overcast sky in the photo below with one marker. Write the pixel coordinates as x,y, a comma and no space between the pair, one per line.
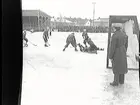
84,8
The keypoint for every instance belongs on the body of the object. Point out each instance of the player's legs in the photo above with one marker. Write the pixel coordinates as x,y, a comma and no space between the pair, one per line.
121,78
74,45
67,44
45,40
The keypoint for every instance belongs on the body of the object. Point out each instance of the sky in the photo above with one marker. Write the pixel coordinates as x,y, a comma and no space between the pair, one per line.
84,8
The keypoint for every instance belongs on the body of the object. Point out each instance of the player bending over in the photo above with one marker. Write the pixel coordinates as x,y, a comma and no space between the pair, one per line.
71,40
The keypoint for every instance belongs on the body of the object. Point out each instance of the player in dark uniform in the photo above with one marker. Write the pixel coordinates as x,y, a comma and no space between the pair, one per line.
46,37
71,40
25,38
85,36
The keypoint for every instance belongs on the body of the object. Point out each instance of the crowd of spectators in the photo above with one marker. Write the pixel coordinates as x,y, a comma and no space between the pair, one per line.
91,29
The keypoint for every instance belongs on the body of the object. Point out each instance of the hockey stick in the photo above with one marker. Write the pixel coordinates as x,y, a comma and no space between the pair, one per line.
31,65
32,43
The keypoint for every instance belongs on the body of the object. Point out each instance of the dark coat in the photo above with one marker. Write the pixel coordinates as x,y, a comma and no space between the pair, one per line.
118,49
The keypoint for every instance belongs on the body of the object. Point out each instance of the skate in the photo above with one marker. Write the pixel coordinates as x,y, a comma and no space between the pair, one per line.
49,44
46,45
64,49
76,50
114,84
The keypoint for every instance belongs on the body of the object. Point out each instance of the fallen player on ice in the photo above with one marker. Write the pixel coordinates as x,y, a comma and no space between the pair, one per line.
92,47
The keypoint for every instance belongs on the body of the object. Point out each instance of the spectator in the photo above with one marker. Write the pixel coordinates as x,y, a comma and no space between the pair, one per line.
118,48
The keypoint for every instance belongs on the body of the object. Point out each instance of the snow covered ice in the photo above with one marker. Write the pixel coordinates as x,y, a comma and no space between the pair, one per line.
54,77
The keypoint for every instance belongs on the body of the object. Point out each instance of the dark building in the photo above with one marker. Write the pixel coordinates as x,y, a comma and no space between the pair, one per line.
35,19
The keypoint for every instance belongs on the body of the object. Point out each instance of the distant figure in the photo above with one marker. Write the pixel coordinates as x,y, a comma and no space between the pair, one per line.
85,36
117,54
46,37
32,30
25,38
71,40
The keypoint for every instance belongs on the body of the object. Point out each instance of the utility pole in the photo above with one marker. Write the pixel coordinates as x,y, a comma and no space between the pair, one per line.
93,11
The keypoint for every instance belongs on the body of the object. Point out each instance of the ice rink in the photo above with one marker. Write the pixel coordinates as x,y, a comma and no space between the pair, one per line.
54,77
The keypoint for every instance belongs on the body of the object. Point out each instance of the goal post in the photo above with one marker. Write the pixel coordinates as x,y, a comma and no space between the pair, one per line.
123,20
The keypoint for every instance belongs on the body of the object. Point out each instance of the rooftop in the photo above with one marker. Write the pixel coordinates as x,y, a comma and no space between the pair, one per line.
34,13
